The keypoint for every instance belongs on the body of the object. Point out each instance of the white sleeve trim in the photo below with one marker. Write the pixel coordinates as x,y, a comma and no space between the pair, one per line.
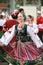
7,37
34,37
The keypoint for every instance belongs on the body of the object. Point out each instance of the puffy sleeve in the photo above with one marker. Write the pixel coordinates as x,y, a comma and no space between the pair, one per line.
34,37
35,28
7,37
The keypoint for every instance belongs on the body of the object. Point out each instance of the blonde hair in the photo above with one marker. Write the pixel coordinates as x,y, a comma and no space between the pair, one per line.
32,18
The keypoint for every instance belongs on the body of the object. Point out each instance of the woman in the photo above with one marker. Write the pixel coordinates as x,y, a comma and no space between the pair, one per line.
22,48
30,22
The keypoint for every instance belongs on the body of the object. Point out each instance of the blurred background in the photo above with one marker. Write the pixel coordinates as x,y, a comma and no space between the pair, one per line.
12,4
28,5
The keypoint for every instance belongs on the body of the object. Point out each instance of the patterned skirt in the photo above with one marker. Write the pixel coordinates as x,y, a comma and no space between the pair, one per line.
24,51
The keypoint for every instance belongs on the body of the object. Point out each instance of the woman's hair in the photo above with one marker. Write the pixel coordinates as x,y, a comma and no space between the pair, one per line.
31,17
1,16
14,17
21,9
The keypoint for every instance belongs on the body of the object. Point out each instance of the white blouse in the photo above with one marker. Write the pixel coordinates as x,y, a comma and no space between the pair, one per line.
7,37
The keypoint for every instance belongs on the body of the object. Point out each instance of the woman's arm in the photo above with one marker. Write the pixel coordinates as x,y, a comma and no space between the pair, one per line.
7,37
34,37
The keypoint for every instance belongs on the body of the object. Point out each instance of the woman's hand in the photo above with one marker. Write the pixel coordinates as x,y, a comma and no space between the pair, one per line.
1,44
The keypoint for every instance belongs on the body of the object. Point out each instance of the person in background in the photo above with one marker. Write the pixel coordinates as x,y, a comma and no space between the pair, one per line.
2,21
40,25
29,19
7,17
30,22
10,22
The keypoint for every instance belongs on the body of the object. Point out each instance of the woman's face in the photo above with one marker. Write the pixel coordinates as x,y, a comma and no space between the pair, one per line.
28,19
20,18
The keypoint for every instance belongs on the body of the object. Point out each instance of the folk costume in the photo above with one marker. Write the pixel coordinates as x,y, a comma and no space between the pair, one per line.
22,49
4,55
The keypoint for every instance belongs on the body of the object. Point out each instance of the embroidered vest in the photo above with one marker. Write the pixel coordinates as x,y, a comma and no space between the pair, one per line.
22,34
